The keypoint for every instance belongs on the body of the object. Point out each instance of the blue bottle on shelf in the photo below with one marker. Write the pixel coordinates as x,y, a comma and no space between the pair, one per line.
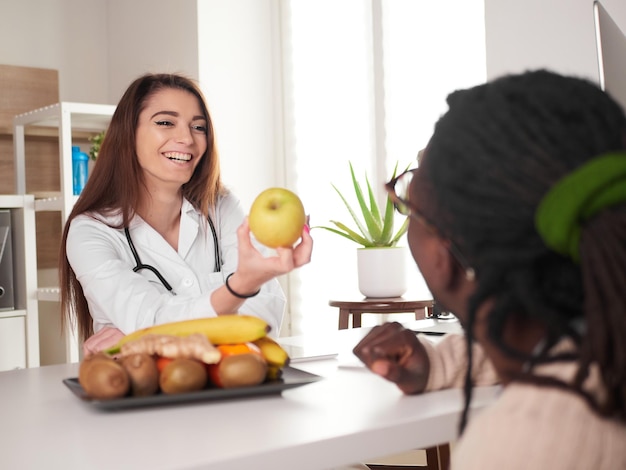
80,161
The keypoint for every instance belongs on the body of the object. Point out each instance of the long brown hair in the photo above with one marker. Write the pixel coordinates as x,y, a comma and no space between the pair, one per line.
116,182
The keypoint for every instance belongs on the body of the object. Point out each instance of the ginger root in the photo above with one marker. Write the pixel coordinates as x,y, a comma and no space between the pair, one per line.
195,346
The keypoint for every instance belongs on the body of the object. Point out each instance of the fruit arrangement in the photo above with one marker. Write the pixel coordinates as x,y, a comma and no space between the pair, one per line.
227,351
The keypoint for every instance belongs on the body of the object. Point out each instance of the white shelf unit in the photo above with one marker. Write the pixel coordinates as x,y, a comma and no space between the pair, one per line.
65,118
19,328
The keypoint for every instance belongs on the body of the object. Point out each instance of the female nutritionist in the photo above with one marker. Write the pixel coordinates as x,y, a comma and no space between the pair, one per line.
155,237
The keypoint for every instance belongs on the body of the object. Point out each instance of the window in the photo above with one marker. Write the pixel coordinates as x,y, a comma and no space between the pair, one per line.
364,81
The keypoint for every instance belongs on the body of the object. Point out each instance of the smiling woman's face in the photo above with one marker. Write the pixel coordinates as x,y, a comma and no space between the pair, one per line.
171,138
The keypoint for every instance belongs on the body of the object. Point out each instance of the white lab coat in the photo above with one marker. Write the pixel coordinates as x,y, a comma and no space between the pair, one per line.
103,263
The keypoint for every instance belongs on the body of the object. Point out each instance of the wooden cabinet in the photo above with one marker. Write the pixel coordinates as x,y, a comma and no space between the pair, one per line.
69,121
19,328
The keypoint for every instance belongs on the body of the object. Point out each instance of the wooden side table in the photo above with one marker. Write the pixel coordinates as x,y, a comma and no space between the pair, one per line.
356,308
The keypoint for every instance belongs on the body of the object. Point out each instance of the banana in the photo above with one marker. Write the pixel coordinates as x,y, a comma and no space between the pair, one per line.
273,352
223,329
274,373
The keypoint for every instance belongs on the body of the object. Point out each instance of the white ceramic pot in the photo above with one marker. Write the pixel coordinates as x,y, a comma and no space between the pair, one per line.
382,271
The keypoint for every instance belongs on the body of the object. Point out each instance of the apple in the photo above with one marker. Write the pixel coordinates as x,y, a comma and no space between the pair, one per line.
277,217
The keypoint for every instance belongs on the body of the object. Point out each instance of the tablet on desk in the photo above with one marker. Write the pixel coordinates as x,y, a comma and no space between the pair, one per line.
309,352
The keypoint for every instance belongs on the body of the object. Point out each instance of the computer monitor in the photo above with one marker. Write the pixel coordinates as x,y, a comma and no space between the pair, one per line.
611,47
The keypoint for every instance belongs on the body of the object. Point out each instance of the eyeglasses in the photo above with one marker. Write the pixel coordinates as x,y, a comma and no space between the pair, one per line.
399,192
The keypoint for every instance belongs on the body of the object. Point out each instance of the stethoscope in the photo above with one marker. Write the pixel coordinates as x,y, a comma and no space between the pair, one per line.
139,265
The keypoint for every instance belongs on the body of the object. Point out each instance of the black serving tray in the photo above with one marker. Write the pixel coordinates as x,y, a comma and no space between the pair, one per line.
291,378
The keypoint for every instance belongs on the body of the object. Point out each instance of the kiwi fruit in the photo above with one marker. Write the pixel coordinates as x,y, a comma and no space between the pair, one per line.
239,370
103,378
182,376
143,373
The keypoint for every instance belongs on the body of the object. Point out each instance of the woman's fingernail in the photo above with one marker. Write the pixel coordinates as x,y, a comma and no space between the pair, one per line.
307,229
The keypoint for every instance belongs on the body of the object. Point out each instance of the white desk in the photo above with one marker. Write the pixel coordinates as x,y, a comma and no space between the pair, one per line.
351,415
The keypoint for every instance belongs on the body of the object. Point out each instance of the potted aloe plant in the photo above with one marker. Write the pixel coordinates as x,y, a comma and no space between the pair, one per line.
381,263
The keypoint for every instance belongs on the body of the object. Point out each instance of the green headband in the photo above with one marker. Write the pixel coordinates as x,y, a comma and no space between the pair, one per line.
598,184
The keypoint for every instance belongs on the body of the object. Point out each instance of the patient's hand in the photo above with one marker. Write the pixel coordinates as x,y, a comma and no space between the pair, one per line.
395,353
103,339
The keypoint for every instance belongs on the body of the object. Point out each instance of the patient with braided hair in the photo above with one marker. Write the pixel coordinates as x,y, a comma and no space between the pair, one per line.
518,226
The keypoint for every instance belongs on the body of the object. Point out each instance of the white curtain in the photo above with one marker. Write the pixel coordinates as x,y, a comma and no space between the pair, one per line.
364,82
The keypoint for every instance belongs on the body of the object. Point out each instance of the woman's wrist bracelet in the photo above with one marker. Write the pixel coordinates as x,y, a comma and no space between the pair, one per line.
236,294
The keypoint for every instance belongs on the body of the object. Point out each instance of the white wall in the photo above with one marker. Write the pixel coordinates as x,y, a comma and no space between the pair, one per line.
556,34
241,80
149,36
98,46
67,35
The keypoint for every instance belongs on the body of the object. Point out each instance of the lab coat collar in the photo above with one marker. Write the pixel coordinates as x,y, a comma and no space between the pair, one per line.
189,227
188,231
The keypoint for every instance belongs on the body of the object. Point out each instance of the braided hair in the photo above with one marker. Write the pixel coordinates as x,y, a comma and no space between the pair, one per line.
492,158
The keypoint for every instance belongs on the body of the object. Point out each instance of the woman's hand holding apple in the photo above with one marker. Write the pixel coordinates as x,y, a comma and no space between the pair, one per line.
254,269
277,220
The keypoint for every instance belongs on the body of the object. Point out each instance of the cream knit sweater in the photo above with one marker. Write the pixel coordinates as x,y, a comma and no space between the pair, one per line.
528,427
